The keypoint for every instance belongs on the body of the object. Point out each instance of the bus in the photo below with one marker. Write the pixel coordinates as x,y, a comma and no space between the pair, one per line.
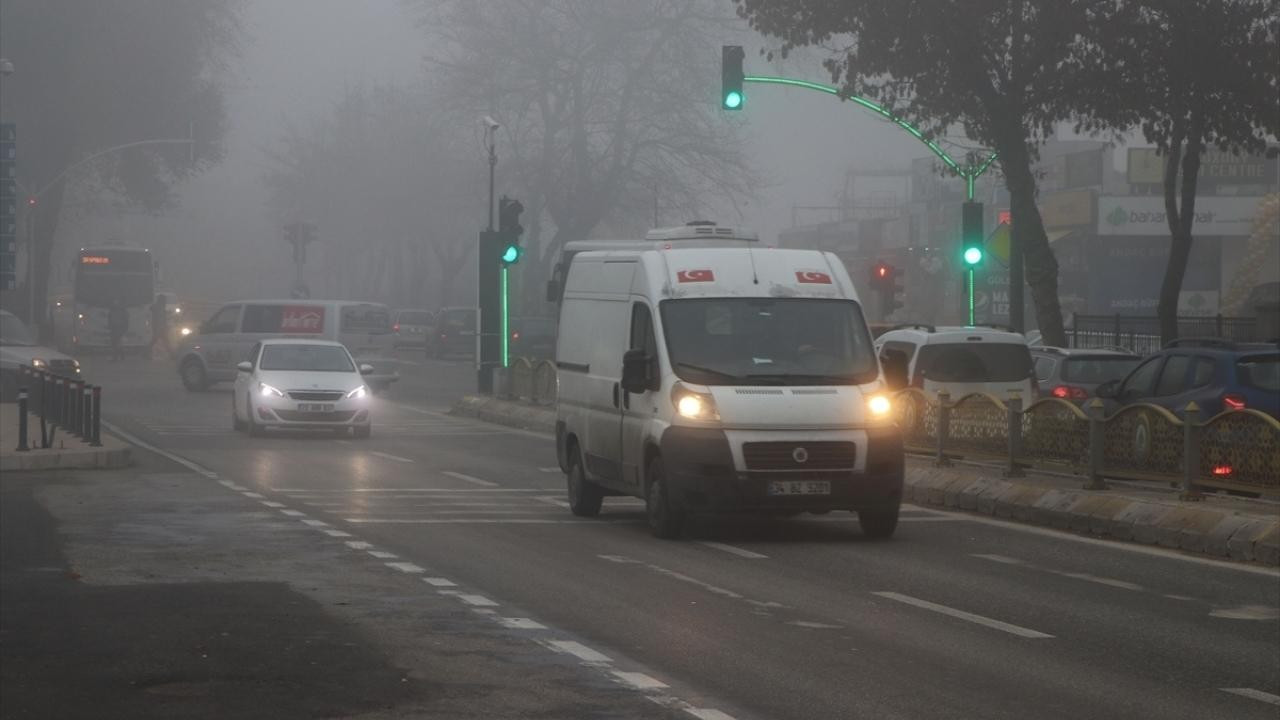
101,277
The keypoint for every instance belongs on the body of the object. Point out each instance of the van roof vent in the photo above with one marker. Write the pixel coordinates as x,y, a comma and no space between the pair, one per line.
701,232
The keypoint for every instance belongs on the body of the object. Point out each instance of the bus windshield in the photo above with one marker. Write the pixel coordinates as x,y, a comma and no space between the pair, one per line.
105,277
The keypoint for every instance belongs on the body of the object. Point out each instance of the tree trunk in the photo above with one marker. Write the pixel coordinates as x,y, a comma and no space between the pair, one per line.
1181,220
1041,267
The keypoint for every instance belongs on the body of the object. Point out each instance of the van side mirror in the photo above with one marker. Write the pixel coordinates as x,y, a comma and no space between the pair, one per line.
635,371
894,364
1109,390
244,366
553,291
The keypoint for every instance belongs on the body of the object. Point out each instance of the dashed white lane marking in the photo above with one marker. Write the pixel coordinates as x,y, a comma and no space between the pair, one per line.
254,495
359,544
814,625
292,513
406,567
314,523
336,533
550,469
469,478
383,554
708,714
480,521
713,589
439,582
389,456
639,681
552,501
477,600
271,503
1247,612
740,552
1110,582
521,624
308,492
962,615
580,651
1252,694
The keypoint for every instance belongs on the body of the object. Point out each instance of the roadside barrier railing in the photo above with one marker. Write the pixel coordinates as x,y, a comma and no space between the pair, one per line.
532,380
1235,450
58,402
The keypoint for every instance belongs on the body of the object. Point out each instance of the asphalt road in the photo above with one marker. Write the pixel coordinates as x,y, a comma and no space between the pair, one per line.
956,617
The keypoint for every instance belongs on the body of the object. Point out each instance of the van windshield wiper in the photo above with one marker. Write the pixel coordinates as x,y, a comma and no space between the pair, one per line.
709,371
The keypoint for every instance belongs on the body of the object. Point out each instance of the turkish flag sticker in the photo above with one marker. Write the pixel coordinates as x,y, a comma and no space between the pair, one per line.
692,276
813,277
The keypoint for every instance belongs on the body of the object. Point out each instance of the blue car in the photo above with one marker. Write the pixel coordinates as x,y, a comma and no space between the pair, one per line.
1216,374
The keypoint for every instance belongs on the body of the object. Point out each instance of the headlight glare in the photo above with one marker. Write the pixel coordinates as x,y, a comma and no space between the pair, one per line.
184,331
358,393
37,362
879,406
694,405
267,391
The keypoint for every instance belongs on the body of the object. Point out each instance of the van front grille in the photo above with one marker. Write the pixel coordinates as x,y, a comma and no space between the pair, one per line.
799,455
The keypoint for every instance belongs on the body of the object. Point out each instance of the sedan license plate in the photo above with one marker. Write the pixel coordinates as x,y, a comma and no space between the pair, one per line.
799,487
315,407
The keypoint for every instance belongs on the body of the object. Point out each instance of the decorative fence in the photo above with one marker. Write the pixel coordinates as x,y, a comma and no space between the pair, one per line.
1235,450
532,380
1141,334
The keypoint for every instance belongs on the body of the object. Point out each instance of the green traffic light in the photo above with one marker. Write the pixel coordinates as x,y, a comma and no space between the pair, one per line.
511,254
972,255
733,100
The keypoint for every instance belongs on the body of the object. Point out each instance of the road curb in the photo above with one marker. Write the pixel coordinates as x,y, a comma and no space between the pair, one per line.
78,459
1173,524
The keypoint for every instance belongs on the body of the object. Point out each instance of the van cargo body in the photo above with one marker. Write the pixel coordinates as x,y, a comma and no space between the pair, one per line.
722,379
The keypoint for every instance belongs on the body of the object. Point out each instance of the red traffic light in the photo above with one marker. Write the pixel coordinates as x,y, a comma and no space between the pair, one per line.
882,273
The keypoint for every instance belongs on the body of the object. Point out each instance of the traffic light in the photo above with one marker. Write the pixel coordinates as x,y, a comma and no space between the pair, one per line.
731,97
971,245
885,283
881,275
509,230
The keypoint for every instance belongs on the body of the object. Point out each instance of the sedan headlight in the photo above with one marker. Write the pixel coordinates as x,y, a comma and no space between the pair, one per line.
37,363
358,393
694,405
267,391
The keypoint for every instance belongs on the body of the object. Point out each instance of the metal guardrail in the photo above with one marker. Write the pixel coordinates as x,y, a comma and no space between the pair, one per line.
59,402
1141,334
1236,450
532,380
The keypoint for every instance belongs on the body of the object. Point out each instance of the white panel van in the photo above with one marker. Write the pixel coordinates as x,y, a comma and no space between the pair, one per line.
722,379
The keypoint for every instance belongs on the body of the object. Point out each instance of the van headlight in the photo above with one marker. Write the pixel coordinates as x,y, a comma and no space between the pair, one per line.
37,363
184,331
266,390
358,393
693,405
879,407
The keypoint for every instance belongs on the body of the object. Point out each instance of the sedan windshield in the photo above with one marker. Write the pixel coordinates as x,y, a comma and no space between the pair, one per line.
307,358
768,341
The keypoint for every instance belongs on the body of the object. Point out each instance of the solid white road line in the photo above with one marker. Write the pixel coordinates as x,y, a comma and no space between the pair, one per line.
469,478
580,651
740,552
1252,694
962,615
639,681
552,501
389,456
135,440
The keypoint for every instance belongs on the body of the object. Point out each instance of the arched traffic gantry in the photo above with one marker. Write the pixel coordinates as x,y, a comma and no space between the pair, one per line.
969,173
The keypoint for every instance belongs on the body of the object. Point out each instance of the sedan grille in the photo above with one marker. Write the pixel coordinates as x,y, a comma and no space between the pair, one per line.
326,417
316,395
799,455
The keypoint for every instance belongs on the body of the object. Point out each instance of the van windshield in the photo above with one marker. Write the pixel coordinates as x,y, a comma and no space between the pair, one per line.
768,341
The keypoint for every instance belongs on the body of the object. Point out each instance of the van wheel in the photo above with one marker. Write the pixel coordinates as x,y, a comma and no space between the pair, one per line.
585,497
665,521
193,376
878,524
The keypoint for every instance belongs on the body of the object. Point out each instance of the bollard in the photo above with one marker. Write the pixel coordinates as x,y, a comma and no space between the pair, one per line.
97,416
1191,453
77,415
944,428
44,410
1014,406
1097,445
86,414
58,402
22,419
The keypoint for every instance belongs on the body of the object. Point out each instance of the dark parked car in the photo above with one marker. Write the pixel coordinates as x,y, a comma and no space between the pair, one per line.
412,327
1216,374
533,337
454,333
1075,373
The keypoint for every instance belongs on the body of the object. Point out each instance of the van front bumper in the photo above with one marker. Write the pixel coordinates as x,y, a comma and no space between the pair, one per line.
702,475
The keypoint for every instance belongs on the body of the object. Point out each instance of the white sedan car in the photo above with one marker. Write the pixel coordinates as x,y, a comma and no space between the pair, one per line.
305,384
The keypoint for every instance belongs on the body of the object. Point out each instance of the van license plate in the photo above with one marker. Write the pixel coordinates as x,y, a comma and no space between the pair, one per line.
799,487
315,407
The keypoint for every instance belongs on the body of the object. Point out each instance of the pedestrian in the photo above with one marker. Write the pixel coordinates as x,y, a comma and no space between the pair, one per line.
160,328
118,324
